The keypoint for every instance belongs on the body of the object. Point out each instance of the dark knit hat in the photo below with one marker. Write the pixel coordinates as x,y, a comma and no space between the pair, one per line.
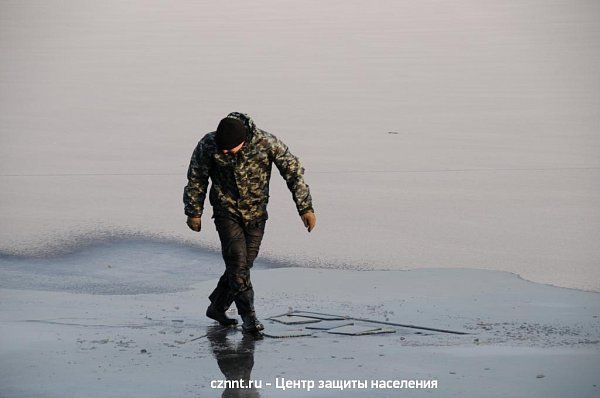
230,133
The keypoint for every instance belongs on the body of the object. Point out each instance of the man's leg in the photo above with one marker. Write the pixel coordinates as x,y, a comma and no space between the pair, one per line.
221,298
233,246
220,302
231,235
216,310
253,236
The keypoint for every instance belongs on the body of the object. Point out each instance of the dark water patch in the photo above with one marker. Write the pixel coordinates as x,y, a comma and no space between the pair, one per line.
117,267
75,241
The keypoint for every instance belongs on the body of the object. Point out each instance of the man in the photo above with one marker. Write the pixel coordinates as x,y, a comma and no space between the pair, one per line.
237,158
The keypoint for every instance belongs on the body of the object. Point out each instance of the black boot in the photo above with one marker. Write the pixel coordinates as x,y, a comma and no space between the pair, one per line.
251,325
220,317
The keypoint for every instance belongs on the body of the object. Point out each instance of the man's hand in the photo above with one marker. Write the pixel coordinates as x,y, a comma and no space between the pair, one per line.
310,220
194,223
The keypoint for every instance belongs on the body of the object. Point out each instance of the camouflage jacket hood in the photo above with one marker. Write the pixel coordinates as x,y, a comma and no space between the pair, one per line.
240,181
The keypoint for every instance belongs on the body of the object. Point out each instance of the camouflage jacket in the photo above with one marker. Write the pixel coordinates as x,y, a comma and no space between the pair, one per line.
240,181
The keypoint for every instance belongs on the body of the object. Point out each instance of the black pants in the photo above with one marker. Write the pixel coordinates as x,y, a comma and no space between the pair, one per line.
239,245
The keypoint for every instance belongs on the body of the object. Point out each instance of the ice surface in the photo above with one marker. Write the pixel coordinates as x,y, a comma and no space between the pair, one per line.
358,330
100,345
452,144
326,325
493,163
293,319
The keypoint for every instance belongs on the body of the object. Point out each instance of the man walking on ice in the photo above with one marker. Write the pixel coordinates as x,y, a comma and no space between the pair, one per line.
237,158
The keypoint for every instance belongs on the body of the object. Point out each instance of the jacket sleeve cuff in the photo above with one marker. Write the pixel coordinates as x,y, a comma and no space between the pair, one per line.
193,215
306,210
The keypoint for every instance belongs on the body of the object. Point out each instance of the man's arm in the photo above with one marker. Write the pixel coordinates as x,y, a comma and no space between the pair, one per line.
292,172
194,192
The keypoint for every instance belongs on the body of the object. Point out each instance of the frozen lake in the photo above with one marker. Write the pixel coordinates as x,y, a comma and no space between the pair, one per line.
434,134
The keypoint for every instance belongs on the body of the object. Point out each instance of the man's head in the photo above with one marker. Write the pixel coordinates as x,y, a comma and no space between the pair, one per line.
231,134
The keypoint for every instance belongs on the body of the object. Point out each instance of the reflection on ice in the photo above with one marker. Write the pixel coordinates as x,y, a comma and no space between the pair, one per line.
235,359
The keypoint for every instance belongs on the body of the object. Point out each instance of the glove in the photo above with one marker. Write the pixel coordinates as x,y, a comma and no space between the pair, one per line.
310,220
194,223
